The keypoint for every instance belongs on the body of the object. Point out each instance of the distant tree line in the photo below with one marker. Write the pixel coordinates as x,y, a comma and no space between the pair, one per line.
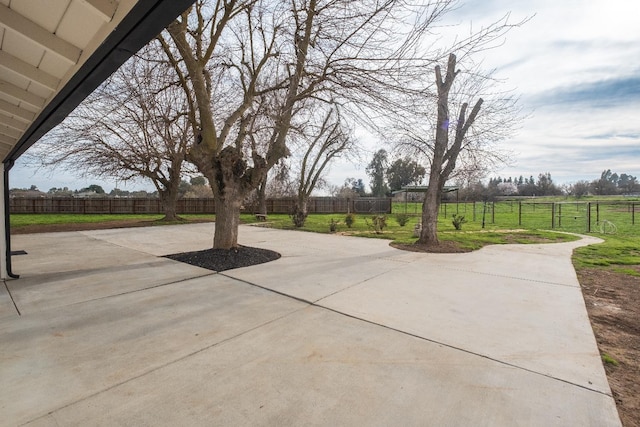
389,177
196,187
609,183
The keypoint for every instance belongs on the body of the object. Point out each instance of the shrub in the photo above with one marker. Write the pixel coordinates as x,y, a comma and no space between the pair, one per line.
457,221
350,219
402,219
379,223
333,226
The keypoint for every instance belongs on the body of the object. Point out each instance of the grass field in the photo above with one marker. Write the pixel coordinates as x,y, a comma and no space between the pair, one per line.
470,237
619,249
22,220
573,216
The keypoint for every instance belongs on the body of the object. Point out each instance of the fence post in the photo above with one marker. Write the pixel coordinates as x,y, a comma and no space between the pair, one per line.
484,212
597,212
559,216
493,212
474,211
588,217
553,216
633,214
519,213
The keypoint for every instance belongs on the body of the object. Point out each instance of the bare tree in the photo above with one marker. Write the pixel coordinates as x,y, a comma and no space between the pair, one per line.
221,51
461,142
321,139
247,67
132,126
445,155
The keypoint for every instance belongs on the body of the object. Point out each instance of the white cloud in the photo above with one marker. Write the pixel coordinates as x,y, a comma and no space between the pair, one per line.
577,66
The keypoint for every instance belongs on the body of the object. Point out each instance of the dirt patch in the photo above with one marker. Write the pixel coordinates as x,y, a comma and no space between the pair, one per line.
613,304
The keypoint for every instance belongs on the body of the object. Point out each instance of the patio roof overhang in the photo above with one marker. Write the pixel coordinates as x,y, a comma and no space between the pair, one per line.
54,53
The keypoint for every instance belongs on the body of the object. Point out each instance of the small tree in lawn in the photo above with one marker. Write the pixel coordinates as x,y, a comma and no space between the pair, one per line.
321,139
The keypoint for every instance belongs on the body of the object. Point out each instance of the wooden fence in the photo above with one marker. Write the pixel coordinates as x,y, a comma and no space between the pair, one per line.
104,205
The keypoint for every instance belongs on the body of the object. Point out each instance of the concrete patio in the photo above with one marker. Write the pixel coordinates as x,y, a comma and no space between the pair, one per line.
101,330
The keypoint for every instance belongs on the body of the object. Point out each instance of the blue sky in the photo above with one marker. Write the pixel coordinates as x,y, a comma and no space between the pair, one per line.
576,66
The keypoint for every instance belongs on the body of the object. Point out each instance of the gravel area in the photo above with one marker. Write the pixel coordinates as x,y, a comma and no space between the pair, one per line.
226,259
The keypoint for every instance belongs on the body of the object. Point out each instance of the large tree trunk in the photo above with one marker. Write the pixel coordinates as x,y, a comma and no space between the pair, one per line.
227,219
262,198
429,232
168,192
169,202
230,183
430,208
300,211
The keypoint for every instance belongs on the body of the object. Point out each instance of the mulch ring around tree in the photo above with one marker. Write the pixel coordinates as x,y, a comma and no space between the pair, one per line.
226,259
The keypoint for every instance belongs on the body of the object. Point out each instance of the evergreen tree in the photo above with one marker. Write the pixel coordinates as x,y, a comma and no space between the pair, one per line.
376,170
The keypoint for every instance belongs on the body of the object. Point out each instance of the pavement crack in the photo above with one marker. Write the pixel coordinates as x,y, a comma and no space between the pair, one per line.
351,286
507,277
186,279
302,300
453,347
444,344
15,305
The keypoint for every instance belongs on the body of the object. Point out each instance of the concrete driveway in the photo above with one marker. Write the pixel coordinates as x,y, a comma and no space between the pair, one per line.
100,330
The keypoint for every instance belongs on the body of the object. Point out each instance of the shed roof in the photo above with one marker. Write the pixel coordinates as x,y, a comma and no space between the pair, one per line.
423,189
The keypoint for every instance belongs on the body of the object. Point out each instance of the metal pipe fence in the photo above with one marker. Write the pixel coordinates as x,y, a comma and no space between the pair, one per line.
578,216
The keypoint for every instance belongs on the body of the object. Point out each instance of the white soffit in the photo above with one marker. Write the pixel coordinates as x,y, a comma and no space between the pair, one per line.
44,44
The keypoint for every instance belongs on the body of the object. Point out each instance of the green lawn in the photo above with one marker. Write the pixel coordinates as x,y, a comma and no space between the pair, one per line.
22,220
472,236
618,252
